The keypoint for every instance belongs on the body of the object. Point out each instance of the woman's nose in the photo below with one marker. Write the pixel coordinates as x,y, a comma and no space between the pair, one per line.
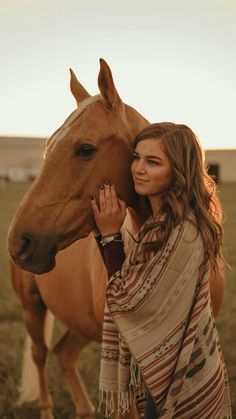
140,167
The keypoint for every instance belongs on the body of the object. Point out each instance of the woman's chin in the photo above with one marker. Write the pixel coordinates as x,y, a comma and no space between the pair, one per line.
140,191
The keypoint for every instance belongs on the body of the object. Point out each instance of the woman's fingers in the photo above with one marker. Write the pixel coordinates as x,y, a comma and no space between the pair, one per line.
108,200
102,199
107,197
107,194
95,208
114,198
116,201
94,204
109,212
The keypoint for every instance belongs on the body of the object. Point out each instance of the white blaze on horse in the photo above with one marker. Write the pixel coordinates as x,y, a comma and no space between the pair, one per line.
50,234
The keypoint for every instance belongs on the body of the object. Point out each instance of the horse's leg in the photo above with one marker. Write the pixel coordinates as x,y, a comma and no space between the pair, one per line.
34,312
35,316
67,351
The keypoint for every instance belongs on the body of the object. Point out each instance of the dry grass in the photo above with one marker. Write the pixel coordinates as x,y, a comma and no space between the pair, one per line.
12,330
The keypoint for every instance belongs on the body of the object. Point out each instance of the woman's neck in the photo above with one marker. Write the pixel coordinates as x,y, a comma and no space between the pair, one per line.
155,204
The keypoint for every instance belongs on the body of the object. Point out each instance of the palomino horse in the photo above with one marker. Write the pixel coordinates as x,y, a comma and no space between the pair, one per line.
94,144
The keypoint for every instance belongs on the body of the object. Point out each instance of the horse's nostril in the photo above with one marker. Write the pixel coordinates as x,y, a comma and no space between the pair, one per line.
27,247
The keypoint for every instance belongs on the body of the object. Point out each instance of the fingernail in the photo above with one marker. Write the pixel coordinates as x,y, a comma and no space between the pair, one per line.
107,182
101,187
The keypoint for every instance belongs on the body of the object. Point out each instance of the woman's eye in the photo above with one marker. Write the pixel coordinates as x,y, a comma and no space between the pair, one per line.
152,162
85,150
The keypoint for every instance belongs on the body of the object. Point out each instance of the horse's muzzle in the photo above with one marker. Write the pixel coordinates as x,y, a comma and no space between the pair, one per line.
31,253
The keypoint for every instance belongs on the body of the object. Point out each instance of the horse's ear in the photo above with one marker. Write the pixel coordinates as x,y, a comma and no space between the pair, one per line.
107,87
77,90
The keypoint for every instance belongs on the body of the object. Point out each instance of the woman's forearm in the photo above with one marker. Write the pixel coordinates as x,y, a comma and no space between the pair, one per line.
113,255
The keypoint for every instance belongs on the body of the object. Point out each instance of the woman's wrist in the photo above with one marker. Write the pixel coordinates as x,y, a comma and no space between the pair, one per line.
108,238
111,234
96,232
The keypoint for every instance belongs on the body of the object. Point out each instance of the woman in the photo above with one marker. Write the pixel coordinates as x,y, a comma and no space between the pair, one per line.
160,343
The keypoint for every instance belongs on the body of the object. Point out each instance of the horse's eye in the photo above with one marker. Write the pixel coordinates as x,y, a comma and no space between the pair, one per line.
85,151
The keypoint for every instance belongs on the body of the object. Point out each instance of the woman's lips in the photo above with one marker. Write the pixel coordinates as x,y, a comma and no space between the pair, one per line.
139,180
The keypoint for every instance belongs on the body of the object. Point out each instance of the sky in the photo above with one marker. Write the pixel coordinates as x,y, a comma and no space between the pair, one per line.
172,60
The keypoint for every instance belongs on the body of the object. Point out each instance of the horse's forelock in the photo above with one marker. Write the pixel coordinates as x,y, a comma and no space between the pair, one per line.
61,133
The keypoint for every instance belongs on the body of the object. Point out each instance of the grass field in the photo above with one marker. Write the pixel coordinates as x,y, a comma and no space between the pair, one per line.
12,332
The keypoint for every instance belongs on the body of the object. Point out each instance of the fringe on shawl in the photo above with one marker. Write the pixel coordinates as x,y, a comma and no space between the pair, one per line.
107,398
136,387
136,380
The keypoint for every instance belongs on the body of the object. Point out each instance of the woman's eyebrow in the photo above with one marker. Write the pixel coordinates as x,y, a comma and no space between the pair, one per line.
149,156
154,157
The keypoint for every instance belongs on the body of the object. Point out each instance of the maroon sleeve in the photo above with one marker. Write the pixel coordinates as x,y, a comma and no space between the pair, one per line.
113,255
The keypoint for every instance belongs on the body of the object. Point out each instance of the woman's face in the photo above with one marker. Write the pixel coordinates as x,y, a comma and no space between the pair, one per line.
151,169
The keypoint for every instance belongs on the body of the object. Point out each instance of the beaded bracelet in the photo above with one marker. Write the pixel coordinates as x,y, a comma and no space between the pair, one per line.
111,238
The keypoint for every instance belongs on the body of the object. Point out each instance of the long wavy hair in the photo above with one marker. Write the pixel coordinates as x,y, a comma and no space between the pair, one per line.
192,190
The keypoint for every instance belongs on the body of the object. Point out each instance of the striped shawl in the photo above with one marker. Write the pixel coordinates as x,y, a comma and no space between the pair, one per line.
159,332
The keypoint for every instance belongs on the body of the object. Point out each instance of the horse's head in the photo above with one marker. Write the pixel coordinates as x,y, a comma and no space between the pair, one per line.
93,144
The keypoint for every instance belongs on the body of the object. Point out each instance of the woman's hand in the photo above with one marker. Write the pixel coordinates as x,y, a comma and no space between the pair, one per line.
110,214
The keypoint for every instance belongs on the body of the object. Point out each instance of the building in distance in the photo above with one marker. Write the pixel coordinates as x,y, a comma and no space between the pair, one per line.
221,163
20,158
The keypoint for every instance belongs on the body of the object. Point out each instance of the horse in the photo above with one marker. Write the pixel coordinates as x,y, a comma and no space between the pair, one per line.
55,262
